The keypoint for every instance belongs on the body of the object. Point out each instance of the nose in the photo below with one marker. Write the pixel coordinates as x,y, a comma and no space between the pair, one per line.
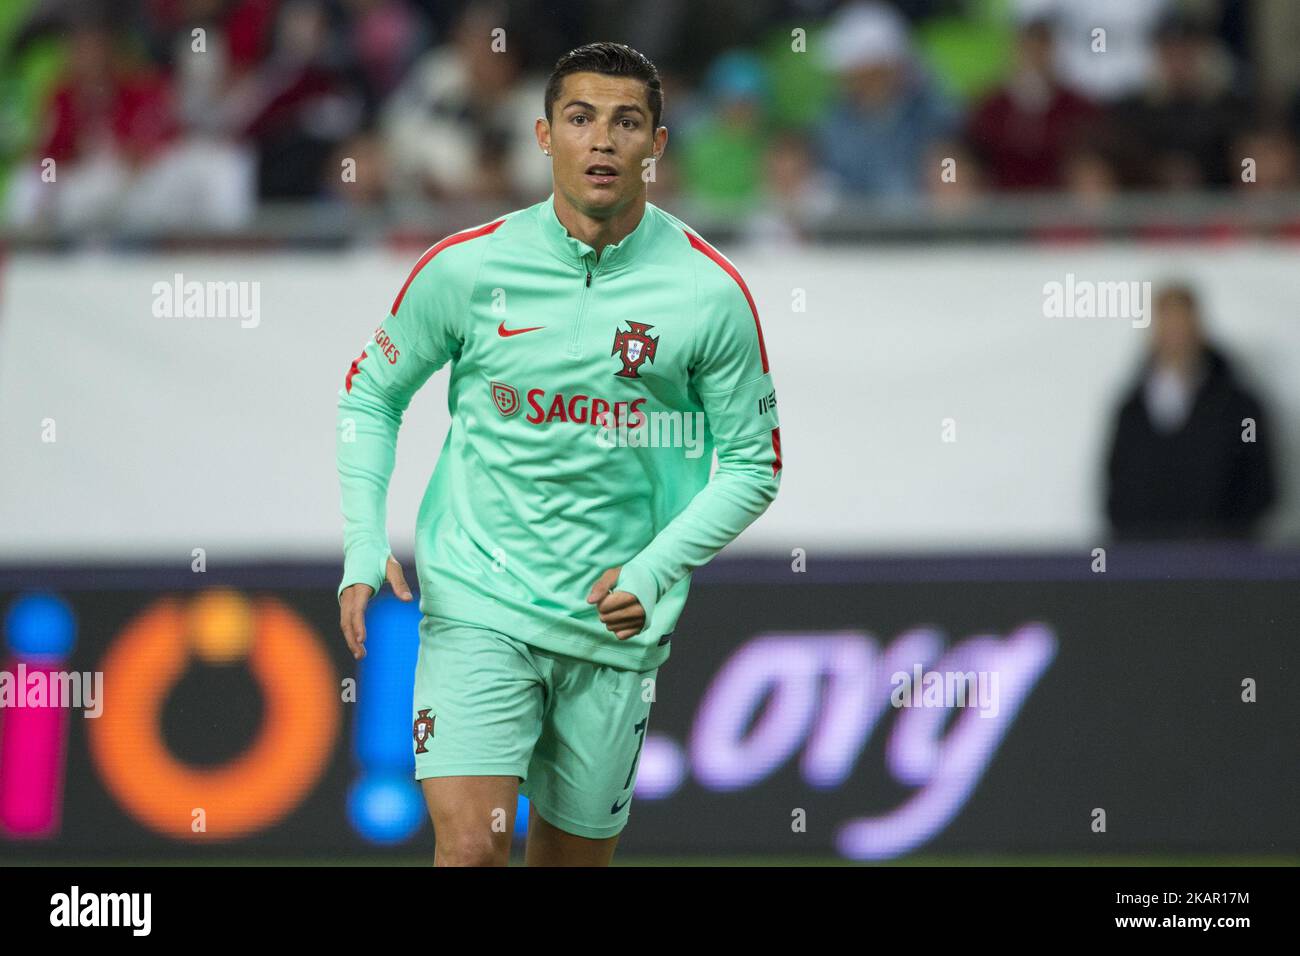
604,143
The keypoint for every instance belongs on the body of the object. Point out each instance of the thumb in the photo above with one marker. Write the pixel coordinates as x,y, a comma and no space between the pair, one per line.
599,589
398,580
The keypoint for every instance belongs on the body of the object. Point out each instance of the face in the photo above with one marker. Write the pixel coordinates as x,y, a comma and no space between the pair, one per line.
1090,177
1180,61
873,84
91,56
1177,333
1036,49
1275,161
788,166
600,121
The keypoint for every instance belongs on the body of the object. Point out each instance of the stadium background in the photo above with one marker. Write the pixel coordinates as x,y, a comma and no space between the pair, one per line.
168,504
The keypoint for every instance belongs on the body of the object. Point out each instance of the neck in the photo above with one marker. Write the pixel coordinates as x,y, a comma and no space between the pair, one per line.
599,233
1031,88
1186,365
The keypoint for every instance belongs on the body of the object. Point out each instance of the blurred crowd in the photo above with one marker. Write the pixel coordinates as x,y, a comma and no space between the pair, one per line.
191,113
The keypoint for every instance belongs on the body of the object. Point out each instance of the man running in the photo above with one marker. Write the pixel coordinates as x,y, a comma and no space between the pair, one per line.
600,352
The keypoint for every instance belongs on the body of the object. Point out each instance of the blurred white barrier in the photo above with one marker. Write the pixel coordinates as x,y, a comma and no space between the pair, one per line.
172,433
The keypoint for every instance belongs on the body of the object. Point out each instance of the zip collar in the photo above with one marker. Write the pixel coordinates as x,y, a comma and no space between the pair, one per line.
576,252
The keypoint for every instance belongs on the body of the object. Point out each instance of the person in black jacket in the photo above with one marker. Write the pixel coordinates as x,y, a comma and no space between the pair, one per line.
1190,456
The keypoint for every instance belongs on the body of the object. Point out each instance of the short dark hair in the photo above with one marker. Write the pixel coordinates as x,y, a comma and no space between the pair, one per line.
611,59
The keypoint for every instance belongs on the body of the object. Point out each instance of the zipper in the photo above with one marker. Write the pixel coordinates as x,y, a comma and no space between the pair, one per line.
574,350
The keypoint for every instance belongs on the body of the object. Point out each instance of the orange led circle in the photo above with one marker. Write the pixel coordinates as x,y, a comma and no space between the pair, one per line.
263,784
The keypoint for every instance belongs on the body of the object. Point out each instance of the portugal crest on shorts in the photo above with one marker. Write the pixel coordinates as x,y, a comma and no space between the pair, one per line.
506,399
423,730
635,348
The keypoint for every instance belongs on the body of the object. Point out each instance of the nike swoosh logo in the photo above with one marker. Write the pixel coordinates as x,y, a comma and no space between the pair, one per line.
506,333
618,806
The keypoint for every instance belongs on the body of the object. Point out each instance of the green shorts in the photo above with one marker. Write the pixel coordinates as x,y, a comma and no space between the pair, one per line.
571,730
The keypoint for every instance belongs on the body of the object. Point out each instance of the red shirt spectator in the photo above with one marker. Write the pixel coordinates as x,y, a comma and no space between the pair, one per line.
132,116
102,104
1023,132
1023,147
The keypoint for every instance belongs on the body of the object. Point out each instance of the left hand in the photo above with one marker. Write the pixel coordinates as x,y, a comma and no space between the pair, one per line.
620,611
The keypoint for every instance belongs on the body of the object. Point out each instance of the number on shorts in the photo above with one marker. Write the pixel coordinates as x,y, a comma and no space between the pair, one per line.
640,730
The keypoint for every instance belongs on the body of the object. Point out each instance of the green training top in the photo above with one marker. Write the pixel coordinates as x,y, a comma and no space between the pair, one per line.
587,396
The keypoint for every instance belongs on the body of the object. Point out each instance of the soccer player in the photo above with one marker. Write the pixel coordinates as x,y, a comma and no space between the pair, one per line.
600,352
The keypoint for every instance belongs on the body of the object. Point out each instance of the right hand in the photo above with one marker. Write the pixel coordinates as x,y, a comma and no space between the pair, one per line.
352,607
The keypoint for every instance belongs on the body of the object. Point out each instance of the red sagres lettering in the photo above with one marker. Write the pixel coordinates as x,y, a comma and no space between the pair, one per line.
391,352
386,345
583,410
353,371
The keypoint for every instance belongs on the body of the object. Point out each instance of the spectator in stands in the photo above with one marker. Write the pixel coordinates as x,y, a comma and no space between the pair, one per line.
1023,131
31,56
366,162
1180,464
722,153
1089,176
462,123
295,107
1273,163
955,179
107,119
239,32
119,153
383,38
1106,73
795,193
1178,129
876,137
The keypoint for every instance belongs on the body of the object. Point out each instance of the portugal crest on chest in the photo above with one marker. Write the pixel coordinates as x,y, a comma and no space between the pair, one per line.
634,347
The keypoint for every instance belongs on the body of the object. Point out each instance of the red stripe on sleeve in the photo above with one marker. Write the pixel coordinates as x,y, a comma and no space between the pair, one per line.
776,448
353,370
730,270
449,241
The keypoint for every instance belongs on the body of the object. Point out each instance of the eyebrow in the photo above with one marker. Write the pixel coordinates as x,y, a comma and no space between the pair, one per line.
625,108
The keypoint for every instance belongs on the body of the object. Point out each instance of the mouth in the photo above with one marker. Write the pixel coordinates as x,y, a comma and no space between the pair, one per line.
601,174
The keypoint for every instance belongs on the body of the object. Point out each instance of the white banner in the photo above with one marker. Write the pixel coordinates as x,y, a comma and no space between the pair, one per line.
929,398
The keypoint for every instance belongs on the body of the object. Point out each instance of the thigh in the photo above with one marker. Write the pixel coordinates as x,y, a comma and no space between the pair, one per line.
583,769
477,714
